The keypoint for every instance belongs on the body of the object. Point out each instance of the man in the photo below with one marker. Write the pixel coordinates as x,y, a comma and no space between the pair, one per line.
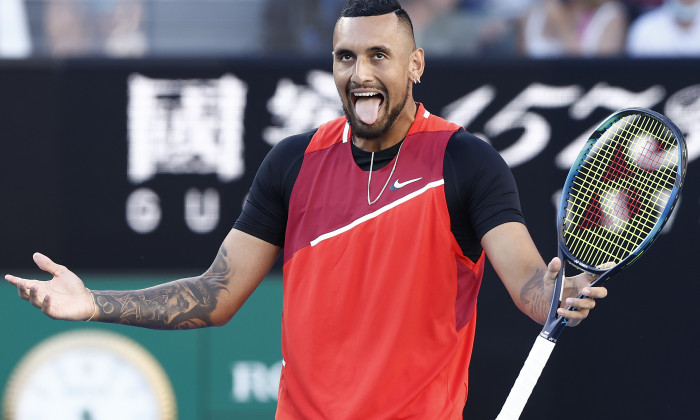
386,217
15,40
670,30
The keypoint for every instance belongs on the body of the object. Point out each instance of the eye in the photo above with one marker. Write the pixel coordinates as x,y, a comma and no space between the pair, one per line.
379,56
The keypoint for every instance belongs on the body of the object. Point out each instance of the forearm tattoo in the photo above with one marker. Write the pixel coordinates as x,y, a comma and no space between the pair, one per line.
181,304
533,295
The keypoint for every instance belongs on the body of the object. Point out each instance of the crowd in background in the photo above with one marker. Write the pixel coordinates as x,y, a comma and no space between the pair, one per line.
451,28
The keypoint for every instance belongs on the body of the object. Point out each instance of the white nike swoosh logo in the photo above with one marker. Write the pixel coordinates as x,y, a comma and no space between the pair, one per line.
398,185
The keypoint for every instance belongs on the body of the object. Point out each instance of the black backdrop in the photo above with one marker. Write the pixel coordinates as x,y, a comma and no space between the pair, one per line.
65,132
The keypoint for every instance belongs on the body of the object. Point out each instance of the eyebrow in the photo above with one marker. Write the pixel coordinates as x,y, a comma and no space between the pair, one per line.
376,48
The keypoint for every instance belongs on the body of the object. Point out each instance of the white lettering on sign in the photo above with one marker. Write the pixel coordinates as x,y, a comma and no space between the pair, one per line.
254,381
536,129
521,113
517,114
143,210
185,127
196,127
296,108
683,108
610,98
464,110
202,210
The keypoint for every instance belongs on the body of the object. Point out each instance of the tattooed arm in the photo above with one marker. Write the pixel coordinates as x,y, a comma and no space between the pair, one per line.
181,304
210,299
529,281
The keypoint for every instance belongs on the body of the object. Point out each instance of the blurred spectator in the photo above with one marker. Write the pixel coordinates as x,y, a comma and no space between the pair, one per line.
585,28
671,30
440,27
66,29
94,28
15,40
301,26
124,35
500,34
473,27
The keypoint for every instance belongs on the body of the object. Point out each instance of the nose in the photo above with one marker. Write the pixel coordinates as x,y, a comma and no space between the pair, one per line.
362,72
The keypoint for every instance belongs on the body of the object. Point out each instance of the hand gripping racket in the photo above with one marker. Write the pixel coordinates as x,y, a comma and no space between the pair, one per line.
616,199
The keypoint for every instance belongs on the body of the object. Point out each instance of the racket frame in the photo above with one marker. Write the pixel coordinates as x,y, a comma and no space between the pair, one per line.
554,325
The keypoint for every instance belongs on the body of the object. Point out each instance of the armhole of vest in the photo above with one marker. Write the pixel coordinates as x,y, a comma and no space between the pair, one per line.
433,123
327,135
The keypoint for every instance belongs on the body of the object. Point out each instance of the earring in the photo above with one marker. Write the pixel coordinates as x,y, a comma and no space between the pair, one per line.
416,80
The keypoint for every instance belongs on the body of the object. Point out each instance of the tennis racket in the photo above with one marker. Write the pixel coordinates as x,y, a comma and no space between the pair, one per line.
616,199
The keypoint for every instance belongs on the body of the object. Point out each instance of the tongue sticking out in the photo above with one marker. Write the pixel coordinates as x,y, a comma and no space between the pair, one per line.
367,109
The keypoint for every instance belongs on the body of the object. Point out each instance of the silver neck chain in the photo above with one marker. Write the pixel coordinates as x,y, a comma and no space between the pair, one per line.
369,180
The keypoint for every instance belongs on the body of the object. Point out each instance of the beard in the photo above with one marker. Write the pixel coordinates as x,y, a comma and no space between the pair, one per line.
382,125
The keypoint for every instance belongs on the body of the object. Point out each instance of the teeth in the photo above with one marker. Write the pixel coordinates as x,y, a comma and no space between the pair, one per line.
366,94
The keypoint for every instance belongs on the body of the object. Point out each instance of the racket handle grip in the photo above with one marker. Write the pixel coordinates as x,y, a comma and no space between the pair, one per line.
525,383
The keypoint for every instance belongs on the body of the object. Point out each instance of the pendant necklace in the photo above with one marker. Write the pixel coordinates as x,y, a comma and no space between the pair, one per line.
369,180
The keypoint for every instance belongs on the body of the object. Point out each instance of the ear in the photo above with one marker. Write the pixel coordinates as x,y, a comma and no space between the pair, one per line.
416,65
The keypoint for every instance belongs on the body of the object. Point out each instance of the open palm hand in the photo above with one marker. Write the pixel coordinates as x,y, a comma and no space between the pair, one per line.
63,297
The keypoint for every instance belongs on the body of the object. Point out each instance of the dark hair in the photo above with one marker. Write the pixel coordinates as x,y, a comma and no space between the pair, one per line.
360,8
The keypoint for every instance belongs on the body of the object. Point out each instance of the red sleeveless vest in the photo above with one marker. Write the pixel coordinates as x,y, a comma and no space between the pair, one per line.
379,302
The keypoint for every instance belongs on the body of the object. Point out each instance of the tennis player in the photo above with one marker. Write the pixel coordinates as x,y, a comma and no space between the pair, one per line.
386,217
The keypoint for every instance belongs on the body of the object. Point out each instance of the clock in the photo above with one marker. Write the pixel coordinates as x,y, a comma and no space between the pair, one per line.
89,374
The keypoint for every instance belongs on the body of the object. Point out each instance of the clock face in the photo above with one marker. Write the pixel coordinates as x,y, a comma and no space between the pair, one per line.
89,375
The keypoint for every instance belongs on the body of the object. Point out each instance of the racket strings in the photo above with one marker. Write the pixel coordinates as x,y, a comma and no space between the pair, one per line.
616,210
628,197
621,190
620,205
